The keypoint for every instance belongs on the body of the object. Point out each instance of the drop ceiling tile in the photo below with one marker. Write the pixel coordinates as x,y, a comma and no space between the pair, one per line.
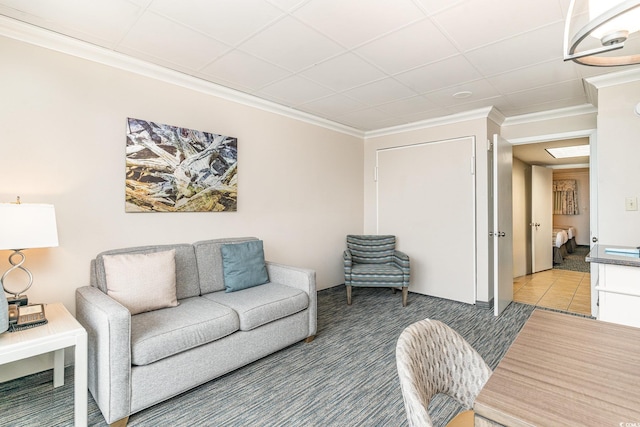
227,21
240,68
287,4
480,89
332,106
541,45
543,74
156,36
343,72
291,45
141,3
545,106
565,90
352,22
424,115
442,74
496,101
409,47
381,91
363,119
432,6
407,106
294,90
102,23
501,19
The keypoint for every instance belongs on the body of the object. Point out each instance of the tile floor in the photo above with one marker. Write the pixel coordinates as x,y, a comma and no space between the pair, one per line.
559,289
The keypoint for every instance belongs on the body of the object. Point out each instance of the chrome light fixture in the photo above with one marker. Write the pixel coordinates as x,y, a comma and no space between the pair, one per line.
25,226
611,21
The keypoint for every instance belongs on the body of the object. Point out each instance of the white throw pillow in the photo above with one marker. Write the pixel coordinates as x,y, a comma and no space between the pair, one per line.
142,282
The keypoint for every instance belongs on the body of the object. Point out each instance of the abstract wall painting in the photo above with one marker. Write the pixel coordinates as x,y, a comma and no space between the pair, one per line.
174,169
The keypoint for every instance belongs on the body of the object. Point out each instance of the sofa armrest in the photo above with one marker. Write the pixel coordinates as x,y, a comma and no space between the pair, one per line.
108,326
299,278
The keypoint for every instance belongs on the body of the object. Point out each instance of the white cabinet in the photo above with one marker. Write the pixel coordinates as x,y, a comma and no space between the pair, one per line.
618,287
619,294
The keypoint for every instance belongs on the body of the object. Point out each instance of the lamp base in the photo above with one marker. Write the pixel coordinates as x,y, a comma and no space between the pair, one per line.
18,300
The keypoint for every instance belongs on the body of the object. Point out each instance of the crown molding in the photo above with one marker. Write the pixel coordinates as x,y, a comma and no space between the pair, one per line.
559,113
592,84
37,36
612,79
480,113
583,133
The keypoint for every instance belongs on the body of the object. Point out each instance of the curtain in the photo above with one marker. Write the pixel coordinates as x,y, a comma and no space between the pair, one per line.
565,197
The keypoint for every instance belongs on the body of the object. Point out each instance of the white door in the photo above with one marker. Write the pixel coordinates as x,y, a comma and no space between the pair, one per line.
502,224
426,198
541,218
593,218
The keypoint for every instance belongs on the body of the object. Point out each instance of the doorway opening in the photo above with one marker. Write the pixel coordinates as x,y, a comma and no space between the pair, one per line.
566,283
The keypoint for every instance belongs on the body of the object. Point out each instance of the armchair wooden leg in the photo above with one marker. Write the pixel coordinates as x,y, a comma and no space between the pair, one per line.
405,293
348,294
120,423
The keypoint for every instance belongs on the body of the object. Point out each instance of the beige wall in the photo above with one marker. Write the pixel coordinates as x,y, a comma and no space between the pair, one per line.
62,134
618,164
476,128
521,218
580,222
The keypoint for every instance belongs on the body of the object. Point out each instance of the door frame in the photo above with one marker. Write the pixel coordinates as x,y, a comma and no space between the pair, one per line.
593,190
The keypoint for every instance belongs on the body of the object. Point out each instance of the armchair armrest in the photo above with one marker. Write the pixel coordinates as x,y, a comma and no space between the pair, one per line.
108,326
299,278
401,260
347,260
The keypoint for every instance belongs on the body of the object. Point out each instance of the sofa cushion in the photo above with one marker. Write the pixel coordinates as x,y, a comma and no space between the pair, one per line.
162,333
142,282
243,265
209,258
187,281
260,305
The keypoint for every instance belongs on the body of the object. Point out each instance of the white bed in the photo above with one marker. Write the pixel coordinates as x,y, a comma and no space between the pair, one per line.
559,240
571,234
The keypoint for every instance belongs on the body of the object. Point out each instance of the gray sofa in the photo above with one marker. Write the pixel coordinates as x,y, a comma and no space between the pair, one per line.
136,361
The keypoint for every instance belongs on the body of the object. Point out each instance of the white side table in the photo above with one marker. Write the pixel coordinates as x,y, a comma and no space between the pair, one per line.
62,331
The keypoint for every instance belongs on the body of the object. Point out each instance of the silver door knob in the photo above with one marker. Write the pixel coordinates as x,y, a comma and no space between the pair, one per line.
500,233
594,239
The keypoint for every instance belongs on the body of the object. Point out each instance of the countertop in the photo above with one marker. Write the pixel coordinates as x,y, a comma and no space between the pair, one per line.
599,254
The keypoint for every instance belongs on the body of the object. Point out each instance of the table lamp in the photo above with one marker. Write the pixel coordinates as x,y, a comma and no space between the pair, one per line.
25,226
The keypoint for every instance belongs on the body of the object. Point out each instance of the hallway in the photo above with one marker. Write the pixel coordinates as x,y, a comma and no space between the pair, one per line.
558,289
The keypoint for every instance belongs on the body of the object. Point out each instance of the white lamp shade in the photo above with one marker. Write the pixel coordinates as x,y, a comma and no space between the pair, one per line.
27,225
628,21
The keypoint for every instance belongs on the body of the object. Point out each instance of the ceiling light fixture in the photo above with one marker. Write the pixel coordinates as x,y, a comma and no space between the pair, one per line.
611,21
573,151
463,94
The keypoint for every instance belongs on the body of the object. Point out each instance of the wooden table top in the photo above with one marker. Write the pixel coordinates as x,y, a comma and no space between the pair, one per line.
566,370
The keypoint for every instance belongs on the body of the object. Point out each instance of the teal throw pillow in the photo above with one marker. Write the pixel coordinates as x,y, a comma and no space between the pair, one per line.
243,265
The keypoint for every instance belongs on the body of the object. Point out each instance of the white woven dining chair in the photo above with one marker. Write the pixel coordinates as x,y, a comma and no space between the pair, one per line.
432,358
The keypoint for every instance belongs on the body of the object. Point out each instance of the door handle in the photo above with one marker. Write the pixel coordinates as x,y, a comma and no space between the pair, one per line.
594,239
501,234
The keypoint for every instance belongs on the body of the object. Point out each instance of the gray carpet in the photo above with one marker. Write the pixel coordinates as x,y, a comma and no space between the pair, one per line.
575,261
346,377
